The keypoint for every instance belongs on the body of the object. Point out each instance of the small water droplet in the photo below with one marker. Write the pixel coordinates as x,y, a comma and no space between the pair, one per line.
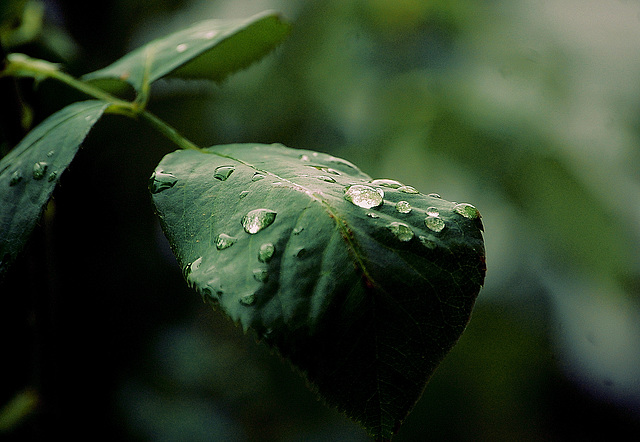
433,211
403,207
222,172
188,270
39,170
393,184
304,157
467,210
364,196
160,181
266,251
343,163
402,231
224,241
408,189
244,193
210,34
328,179
51,153
429,244
258,219
260,275
373,215
248,299
331,171
16,177
52,176
257,176
434,223
301,252
182,47
297,230
434,195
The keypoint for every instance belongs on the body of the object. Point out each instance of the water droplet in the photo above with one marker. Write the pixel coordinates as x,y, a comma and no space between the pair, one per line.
328,179
244,193
258,219
257,176
210,34
434,223
408,189
297,230
182,47
16,177
467,210
260,275
402,231
188,270
433,211
393,184
429,244
373,215
248,299
52,176
403,207
301,253
39,170
343,163
434,195
266,252
51,153
222,172
160,181
304,157
224,241
364,196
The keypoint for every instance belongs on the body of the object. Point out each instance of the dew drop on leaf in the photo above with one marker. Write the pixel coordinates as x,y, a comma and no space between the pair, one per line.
266,252
248,299
52,176
222,172
304,157
257,176
393,184
39,170
16,177
327,179
182,47
260,275
408,189
434,223
467,210
433,211
224,241
258,219
160,181
402,231
364,196
434,195
403,207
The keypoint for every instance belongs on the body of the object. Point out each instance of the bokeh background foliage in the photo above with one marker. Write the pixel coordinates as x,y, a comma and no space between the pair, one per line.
528,110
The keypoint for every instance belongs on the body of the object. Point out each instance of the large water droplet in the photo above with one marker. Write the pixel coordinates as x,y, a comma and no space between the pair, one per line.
467,210
248,299
222,172
433,211
16,177
434,223
266,252
224,241
258,219
260,275
403,207
160,181
364,196
402,231
39,170
408,189
393,184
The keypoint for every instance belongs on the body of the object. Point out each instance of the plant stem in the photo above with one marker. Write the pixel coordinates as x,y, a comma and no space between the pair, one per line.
168,131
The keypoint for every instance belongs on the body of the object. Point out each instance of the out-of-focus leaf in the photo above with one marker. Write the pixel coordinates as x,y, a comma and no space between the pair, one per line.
364,285
210,50
30,172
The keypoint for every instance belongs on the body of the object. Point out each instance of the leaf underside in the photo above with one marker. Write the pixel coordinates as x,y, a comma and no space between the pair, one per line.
364,294
209,50
30,172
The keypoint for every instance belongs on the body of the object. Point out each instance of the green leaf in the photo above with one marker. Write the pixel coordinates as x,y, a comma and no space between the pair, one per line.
211,50
364,285
30,172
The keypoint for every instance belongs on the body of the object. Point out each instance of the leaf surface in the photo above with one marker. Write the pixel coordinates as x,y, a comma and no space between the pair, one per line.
363,285
30,172
211,50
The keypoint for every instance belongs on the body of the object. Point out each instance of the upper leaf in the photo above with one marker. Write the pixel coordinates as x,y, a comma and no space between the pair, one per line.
30,172
211,50
364,285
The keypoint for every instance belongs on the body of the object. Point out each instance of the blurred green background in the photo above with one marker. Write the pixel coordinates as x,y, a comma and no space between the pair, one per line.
528,110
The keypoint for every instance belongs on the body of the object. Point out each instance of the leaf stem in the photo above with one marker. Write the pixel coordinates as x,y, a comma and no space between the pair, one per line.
168,131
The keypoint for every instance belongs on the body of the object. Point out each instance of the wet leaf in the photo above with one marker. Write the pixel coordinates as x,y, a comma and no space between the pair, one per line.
360,293
211,50
30,172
